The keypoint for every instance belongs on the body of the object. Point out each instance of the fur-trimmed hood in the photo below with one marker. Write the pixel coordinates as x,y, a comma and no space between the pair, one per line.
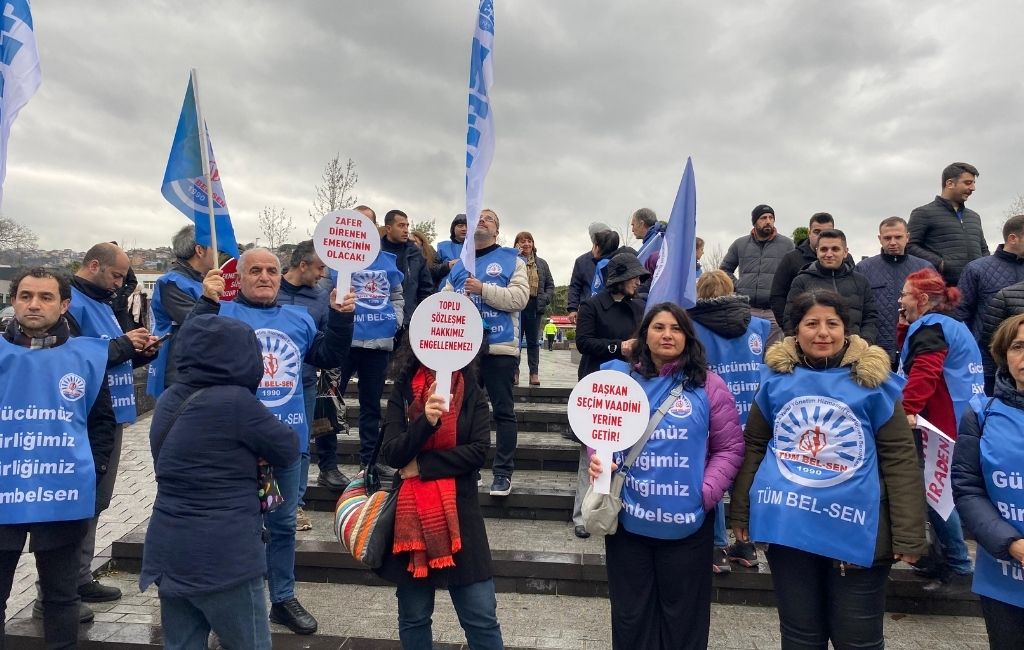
869,364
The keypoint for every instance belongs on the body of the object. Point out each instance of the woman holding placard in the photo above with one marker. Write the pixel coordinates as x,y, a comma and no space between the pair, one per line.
440,538
830,479
987,465
658,579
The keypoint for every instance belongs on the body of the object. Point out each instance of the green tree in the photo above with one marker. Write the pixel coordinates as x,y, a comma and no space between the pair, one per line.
799,235
427,228
557,306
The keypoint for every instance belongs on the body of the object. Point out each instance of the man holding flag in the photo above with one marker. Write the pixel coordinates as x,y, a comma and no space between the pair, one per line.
19,71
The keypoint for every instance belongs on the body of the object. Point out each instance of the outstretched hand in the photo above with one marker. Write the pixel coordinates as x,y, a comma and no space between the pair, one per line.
213,284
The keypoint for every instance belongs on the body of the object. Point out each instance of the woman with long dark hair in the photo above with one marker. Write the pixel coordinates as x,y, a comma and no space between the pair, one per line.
658,578
440,540
542,288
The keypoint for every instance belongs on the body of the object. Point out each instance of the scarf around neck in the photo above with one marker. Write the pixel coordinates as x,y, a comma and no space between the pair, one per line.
426,517
55,336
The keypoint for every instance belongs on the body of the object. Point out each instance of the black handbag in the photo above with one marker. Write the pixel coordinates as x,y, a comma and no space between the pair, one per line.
329,408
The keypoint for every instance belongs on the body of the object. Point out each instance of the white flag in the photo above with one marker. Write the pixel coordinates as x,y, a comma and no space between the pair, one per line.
938,459
20,75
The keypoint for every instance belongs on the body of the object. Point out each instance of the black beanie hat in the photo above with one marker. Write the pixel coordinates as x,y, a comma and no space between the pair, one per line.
756,213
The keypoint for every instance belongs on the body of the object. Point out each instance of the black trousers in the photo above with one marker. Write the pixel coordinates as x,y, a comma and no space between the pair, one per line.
1005,624
817,602
529,328
496,371
58,579
660,590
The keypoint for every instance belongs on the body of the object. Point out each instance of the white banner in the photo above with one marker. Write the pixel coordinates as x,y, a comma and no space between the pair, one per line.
938,459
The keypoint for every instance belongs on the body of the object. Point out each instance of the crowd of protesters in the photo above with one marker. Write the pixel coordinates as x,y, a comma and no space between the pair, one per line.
800,376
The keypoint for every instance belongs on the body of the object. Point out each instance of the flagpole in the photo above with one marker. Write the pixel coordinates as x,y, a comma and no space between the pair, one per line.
204,152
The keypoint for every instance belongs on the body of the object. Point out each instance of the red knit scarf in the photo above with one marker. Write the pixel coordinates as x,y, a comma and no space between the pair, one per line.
426,519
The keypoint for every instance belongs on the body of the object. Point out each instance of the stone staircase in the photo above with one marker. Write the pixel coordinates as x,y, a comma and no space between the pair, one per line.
539,564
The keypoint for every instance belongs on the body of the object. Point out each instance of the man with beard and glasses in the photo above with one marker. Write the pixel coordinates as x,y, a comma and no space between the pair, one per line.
757,256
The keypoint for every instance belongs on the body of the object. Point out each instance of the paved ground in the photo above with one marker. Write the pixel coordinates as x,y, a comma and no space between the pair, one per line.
527,620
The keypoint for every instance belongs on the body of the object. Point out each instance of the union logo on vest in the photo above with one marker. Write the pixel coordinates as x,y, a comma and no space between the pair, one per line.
372,289
819,442
755,343
72,387
681,408
282,364
494,269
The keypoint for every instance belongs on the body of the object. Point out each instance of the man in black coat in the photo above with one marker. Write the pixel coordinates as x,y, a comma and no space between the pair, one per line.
41,298
583,273
417,283
834,272
946,232
796,260
604,332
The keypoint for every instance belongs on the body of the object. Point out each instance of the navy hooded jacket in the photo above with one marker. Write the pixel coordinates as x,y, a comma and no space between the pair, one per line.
205,532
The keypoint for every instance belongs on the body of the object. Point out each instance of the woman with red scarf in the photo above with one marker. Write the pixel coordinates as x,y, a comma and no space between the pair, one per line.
440,539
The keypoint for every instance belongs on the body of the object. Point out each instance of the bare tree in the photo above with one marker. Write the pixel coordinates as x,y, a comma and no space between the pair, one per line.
339,179
713,259
14,236
427,228
275,225
1016,207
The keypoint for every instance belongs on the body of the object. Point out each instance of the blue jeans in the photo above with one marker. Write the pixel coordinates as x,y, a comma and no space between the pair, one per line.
950,536
281,526
238,615
309,401
721,539
475,605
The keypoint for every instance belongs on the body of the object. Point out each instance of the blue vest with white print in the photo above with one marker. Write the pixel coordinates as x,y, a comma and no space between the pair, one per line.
98,321
375,316
661,495
817,488
737,361
162,324
496,268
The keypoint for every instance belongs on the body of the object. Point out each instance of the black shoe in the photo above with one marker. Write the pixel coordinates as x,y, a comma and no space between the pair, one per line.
501,486
85,615
742,553
94,592
293,616
581,532
332,479
956,583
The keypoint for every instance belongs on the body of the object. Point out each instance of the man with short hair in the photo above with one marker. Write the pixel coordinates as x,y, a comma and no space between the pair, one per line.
886,273
174,296
983,277
287,335
946,232
299,287
500,289
645,227
417,283
368,211
93,287
583,273
69,380
796,260
757,257
834,272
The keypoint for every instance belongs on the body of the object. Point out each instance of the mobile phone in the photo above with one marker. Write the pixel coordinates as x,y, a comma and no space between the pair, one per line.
156,343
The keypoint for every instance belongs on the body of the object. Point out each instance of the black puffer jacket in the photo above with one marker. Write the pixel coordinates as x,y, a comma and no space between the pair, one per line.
726,316
981,279
852,286
789,267
1007,302
937,235
976,509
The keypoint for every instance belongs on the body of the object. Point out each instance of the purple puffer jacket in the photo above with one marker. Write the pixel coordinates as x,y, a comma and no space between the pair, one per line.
725,442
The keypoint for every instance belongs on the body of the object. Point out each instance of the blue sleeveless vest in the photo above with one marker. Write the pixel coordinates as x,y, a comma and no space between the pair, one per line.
598,282
497,268
162,324
447,251
817,488
1002,466
98,321
285,333
737,361
963,371
661,496
375,316
46,467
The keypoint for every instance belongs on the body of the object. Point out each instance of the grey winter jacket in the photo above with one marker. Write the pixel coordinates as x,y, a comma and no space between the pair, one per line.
757,262
938,235
852,286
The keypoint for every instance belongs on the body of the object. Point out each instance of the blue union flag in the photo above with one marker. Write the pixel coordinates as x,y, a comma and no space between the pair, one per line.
20,75
480,131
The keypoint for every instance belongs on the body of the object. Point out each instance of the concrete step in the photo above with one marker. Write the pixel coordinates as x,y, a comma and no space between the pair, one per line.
535,450
544,557
536,494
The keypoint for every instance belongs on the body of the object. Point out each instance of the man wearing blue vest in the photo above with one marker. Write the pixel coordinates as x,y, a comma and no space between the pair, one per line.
288,338
61,427
93,287
174,297
500,290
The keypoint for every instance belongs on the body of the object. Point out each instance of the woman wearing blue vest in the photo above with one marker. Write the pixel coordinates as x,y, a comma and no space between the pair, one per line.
830,479
735,342
658,579
942,364
989,492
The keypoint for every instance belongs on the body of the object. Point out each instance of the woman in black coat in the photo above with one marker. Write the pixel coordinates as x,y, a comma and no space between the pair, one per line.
440,453
987,486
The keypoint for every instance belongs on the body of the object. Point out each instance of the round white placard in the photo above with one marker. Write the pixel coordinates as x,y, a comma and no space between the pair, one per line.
346,241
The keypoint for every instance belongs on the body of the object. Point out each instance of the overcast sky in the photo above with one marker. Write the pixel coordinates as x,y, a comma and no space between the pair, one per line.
852,108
